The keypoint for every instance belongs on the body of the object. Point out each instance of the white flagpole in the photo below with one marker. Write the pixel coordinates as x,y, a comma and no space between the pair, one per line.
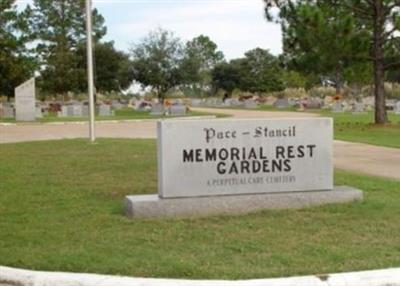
89,46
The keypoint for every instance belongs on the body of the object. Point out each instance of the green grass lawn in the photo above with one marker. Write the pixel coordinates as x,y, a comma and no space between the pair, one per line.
358,127
123,114
61,210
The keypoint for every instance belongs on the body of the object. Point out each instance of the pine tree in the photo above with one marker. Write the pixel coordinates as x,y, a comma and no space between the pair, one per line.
16,64
59,26
378,19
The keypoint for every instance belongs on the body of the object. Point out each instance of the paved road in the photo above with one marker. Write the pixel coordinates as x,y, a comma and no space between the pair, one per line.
372,160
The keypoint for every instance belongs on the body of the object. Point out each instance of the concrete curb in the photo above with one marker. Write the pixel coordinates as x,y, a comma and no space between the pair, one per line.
108,121
19,277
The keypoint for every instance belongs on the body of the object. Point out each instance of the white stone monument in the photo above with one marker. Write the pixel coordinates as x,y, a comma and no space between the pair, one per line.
238,166
25,109
397,108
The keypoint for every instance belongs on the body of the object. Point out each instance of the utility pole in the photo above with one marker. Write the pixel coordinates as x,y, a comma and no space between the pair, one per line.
89,46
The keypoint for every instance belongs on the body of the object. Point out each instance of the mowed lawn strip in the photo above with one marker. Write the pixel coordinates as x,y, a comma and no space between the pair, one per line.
61,210
359,127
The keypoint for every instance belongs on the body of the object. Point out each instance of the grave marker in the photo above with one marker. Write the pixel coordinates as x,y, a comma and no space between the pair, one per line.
397,108
250,104
177,110
85,111
8,112
157,109
25,109
63,112
105,110
281,103
337,107
39,113
359,107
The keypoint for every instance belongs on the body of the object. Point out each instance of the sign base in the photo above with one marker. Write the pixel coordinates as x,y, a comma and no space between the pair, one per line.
152,206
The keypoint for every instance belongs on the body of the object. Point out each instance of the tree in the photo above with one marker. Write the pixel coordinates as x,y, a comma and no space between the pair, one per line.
113,68
258,71
380,20
200,57
157,62
59,26
16,64
321,38
226,76
293,79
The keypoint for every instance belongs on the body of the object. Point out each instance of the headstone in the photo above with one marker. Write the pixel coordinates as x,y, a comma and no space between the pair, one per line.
397,108
369,101
347,106
281,103
218,102
359,107
250,104
116,105
293,102
70,110
75,110
390,104
8,112
196,102
105,110
314,103
63,112
210,102
328,100
269,100
39,113
238,166
85,111
234,102
25,109
142,105
177,110
337,107
157,109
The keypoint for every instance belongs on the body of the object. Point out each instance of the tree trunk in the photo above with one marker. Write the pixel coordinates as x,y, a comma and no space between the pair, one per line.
338,81
379,70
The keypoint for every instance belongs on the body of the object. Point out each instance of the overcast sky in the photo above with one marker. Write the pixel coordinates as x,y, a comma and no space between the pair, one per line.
236,26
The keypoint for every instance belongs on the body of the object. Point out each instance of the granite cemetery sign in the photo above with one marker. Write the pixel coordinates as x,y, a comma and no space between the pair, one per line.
248,156
230,164
25,109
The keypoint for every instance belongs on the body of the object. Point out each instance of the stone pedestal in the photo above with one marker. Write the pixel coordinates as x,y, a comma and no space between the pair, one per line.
152,206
